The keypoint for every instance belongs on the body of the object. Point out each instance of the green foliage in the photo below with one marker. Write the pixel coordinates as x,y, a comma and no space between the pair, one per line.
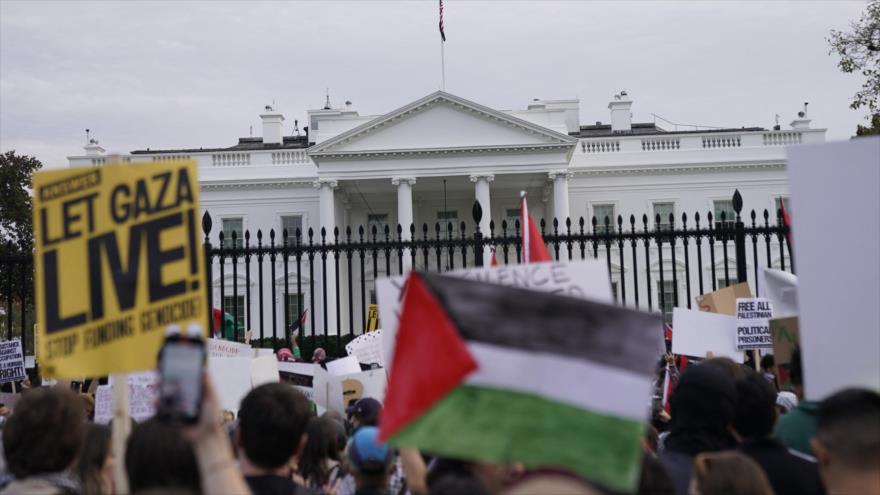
16,207
334,346
859,52
873,130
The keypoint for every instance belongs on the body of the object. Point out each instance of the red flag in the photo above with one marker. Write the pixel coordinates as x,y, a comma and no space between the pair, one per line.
494,260
786,219
667,392
419,379
533,247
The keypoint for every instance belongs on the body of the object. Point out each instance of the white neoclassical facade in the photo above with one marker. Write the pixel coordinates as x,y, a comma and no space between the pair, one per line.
427,162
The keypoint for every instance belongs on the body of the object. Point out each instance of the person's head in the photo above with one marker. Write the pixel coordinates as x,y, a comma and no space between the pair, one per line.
728,473
733,369
785,402
271,425
847,441
45,433
319,356
755,407
654,480
702,409
338,422
370,460
284,354
94,465
157,456
321,446
365,412
768,363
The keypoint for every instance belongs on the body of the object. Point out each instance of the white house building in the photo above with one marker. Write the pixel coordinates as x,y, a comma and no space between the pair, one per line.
428,161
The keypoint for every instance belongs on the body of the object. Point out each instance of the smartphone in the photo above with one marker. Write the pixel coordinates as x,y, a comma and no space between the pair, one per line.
181,366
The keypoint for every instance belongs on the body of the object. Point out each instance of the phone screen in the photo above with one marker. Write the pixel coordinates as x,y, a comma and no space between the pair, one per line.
181,389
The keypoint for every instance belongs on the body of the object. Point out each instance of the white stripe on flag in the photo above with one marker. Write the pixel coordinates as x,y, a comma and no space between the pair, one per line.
577,382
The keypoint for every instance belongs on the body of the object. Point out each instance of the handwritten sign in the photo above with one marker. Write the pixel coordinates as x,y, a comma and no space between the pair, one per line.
343,366
785,339
11,361
585,279
753,324
367,348
142,398
118,260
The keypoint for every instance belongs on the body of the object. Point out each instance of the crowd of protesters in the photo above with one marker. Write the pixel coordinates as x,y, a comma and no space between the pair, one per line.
727,430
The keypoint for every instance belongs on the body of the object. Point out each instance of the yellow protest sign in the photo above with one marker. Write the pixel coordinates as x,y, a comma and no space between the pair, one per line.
117,261
372,317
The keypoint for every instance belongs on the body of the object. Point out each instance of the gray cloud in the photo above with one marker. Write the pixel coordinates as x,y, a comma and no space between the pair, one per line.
184,74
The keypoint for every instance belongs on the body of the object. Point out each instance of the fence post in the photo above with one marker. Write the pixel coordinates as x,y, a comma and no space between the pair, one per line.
206,228
739,239
477,212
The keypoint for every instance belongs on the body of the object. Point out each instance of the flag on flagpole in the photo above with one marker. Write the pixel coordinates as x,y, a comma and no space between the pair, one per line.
559,369
442,32
533,247
298,324
786,219
494,260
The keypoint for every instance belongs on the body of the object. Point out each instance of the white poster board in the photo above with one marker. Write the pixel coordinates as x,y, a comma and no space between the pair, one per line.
11,361
835,207
103,404
367,348
228,348
143,394
231,377
343,366
343,389
781,289
585,279
753,324
264,369
697,333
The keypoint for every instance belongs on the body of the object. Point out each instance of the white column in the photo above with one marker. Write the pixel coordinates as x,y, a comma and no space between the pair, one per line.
560,180
327,210
405,213
481,193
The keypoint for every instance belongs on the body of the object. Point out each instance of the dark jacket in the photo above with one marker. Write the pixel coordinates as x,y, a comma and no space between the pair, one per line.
789,473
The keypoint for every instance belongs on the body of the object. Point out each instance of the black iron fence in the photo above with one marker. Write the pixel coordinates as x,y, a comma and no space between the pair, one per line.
266,282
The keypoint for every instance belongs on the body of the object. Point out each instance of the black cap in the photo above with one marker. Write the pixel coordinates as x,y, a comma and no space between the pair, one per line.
366,410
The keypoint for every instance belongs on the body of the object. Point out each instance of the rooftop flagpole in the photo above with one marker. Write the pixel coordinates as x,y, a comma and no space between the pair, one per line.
442,51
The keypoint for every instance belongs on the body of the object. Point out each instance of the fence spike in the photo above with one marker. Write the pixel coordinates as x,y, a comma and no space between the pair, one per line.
477,212
206,223
737,202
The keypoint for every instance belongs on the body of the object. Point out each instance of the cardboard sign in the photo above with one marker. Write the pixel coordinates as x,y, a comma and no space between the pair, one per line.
700,332
372,317
118,259
781,289
367,348
785,339
586,279
753,324
11,361
343,390
723,301
835,251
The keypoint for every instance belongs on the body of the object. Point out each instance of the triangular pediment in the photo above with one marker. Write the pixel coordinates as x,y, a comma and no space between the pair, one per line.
441,121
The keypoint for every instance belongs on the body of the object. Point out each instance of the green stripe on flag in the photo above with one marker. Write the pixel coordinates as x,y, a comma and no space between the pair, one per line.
505,425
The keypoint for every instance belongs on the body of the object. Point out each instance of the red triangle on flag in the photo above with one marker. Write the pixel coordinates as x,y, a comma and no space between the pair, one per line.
419,378
533,247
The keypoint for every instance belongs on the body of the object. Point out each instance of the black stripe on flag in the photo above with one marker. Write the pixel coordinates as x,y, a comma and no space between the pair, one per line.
549,323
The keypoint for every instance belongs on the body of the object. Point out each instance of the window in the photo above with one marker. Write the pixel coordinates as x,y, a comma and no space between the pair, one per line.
722,283
725,206
600,213
445,217
664,210
511,216
294,310
231,225
378,220
230,303
666,298
780,201
290,223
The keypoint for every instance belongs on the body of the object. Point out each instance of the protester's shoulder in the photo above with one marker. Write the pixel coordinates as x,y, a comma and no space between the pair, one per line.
276,485
32,486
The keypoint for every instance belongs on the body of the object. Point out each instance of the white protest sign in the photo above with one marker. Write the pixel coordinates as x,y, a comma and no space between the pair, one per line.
232,379
228,348
9,400
343,366
142,397
835,207
367,348
320,384
11,361
264,369
696,333
585,279
781,289
298,368
753,324
103,404
342,390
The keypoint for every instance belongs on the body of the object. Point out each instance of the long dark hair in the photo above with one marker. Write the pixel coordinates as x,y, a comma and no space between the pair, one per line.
92,457
320,447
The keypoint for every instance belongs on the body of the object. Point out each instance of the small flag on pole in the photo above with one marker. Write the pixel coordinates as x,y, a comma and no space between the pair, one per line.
442,32
533,247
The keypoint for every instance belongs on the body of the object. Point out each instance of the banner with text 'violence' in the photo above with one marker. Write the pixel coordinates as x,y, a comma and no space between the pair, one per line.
117,261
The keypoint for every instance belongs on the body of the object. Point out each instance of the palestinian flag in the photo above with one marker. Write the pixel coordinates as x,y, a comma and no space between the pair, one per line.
533,247
483,371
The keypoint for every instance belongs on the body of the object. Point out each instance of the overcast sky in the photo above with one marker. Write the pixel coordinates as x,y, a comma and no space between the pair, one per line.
191,74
